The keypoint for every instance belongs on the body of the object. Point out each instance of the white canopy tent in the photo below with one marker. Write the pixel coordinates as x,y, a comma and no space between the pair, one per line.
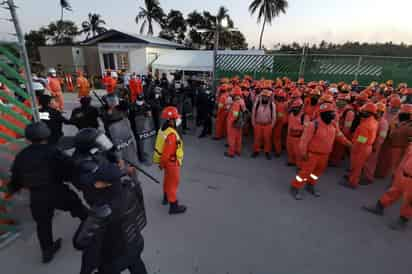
185,60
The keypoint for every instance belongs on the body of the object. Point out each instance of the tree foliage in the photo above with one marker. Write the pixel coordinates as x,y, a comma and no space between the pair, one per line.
34,40
93,25
148,15
174,27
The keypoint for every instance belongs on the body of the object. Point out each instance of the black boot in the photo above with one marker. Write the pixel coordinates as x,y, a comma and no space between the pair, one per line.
48,255
165,201
268,156
399,225
313,190
296,193
377,209
175,208
254,154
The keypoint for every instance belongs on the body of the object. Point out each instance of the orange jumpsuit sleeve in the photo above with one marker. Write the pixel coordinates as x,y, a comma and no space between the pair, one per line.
340,137
169,150
274,114
347,124
308,133
254,113
382,132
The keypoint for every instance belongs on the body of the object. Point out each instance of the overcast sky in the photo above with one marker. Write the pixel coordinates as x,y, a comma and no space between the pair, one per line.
305,21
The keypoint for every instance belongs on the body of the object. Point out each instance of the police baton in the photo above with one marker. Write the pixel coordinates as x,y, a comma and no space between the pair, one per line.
98,98
143,171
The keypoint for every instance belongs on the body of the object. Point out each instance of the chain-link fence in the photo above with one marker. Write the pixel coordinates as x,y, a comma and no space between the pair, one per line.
334,68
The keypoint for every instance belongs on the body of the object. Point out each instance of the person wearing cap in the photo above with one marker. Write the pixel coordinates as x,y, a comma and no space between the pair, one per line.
83,85
263,121
312,103
109,81
85,116
52,117
40,168
169,155
234,129
221,116
345,117
383,128
315,145
363,139
296,121
281,105
401,188
54,85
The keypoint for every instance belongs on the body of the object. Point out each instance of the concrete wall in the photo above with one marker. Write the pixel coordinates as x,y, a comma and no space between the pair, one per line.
138,61
91,57
52,57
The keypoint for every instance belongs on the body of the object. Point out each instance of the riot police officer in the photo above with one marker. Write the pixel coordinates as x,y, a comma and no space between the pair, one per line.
85,116
41,169
205,105
110,237
156,100
143,128
53,118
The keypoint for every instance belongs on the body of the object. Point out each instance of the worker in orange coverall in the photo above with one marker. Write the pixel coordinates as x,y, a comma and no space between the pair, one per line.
263,121
311,105
281,120
171,159
222,112
83,85
315,146
345,117
401,187
295,131
383,127
234,129
136,88
363,139
54,86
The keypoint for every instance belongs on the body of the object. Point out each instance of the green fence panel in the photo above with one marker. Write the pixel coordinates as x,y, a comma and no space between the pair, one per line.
14,87
14,59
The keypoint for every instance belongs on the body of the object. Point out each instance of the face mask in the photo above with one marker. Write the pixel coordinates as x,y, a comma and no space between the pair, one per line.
365,114
207,92
54,75
327,117
139,103
178,122
265,101
404,117
295,111
314,101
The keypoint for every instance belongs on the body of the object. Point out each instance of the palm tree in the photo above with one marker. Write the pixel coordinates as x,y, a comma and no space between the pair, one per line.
268,9
93,25
151,13
64,5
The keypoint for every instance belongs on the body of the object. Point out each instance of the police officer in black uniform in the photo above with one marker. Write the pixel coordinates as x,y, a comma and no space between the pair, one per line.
205,105
53,118
41,169
110,237
85,116
157,102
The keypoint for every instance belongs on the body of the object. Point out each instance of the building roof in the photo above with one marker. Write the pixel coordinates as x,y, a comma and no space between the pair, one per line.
115,36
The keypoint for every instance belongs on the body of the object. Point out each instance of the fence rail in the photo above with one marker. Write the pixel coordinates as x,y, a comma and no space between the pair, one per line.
334,68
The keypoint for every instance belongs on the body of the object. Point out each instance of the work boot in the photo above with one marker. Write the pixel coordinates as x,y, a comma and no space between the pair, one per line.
377,209
346,184
228,155
297,193
399,225
165,201
365,182
312,190
48,255
254,154
268,156
175,208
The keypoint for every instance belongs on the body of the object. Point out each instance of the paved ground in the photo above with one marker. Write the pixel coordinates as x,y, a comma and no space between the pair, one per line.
241,220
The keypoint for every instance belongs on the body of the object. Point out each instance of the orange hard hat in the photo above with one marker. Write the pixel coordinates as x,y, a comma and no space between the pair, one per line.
344,96
406,108
170,113
355,83
345,87
315,92
296,94
362,97
402,85
244,84
301,81
224,80
326,107
312,84
326,98
389,83
369,107
297,103
341,84
374,84
381,107
321,82
395,101
236,91
281,93
247,77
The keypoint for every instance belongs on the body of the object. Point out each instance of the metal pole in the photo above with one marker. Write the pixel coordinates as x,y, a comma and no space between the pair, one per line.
23,51
215,57
358,68
302,63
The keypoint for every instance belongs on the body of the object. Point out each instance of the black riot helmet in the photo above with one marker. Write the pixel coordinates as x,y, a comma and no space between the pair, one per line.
91,140
37,132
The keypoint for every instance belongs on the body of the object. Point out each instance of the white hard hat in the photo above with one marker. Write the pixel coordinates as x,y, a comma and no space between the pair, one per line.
52,71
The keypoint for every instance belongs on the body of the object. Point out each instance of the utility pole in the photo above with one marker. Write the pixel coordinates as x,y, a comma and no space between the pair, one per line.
25,57
216,45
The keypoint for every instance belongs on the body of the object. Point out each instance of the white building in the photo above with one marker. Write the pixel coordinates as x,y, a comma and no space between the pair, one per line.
131,52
